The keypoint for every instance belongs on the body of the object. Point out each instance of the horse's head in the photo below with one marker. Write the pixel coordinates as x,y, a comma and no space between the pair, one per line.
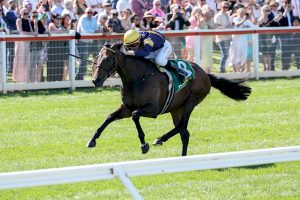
106,64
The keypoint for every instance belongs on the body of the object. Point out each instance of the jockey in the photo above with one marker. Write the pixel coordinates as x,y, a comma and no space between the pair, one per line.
151,45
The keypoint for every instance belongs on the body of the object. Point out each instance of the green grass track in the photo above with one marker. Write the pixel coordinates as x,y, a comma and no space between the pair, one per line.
48,129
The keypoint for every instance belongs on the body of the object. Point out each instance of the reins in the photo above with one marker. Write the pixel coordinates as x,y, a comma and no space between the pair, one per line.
144,77
114,63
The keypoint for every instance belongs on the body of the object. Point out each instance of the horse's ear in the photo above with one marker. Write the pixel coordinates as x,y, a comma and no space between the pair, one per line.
117,45
107,44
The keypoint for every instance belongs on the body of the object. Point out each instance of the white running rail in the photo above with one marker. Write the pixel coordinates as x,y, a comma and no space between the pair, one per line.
123,170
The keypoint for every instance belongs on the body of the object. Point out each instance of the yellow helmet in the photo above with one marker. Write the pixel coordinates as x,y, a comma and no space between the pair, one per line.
131,37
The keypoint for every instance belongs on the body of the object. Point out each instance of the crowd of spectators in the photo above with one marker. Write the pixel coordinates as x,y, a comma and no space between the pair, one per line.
33,17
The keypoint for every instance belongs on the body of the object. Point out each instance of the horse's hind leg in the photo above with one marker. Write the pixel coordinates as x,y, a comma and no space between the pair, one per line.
180,120
185,136
176,116
121,113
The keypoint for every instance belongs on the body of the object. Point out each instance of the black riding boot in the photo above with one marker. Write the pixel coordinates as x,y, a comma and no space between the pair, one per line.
179,72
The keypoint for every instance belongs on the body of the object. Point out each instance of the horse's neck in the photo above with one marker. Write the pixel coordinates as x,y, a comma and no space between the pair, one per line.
132,70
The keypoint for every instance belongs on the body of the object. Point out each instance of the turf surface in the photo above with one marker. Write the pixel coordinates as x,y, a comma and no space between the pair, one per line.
49,129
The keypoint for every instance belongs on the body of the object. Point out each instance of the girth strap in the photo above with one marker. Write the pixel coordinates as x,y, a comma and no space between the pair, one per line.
170,90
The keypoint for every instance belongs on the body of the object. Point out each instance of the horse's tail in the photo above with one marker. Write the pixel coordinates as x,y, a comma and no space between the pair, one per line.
233,89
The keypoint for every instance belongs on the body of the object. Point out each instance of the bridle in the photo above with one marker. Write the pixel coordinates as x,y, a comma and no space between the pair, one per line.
108,71
145,76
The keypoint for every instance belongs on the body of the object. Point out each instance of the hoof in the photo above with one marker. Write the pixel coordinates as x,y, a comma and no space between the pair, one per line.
145,148
91,144
158,142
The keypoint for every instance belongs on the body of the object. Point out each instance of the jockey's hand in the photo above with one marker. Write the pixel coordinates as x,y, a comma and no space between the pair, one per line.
130,53
123,49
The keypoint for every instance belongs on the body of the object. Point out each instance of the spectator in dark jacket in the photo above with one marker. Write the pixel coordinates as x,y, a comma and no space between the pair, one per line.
11,22
274,12
296,42
268,42
42,29
176,20
286,38
115,22
12,16
176,17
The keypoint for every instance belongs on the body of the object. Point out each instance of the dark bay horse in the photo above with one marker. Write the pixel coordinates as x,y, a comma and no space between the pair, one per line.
144,90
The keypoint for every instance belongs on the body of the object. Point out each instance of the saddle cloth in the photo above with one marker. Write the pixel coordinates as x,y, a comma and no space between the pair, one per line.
174,84
184,65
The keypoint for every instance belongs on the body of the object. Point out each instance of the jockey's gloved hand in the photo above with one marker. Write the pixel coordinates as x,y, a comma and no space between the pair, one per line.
126,52
77,35
123,50
130,53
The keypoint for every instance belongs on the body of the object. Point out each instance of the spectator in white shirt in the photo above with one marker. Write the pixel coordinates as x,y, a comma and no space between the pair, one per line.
296,8
239,44
122,5
69,10
97,5
222,21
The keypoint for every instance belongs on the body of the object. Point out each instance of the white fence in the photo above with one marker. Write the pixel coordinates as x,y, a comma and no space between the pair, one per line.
67,68
123,170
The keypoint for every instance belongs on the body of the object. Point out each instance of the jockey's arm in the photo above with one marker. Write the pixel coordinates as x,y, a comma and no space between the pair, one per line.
143,52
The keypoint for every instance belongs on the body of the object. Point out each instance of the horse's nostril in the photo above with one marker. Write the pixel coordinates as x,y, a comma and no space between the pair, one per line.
97,82
94,82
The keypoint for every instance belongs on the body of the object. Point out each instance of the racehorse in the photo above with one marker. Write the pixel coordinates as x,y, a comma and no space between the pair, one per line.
144,91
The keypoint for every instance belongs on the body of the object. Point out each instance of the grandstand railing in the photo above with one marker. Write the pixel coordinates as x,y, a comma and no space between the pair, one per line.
124,170
66,43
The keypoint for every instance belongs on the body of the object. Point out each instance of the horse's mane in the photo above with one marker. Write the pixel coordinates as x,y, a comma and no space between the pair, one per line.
115,45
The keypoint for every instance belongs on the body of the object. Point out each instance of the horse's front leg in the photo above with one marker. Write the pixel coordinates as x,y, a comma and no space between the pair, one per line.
136,118
120,113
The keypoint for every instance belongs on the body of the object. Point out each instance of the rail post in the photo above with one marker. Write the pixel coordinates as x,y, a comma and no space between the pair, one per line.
4,66
256,55
118,172
72,63
197,50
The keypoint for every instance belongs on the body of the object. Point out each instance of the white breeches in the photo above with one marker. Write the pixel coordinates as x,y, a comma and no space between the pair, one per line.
161,55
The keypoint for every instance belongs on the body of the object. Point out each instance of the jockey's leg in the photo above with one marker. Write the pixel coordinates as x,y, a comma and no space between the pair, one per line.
163,54
162,60
180,72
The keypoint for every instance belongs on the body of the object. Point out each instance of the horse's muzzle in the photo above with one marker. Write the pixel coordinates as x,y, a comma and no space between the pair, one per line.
97,82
